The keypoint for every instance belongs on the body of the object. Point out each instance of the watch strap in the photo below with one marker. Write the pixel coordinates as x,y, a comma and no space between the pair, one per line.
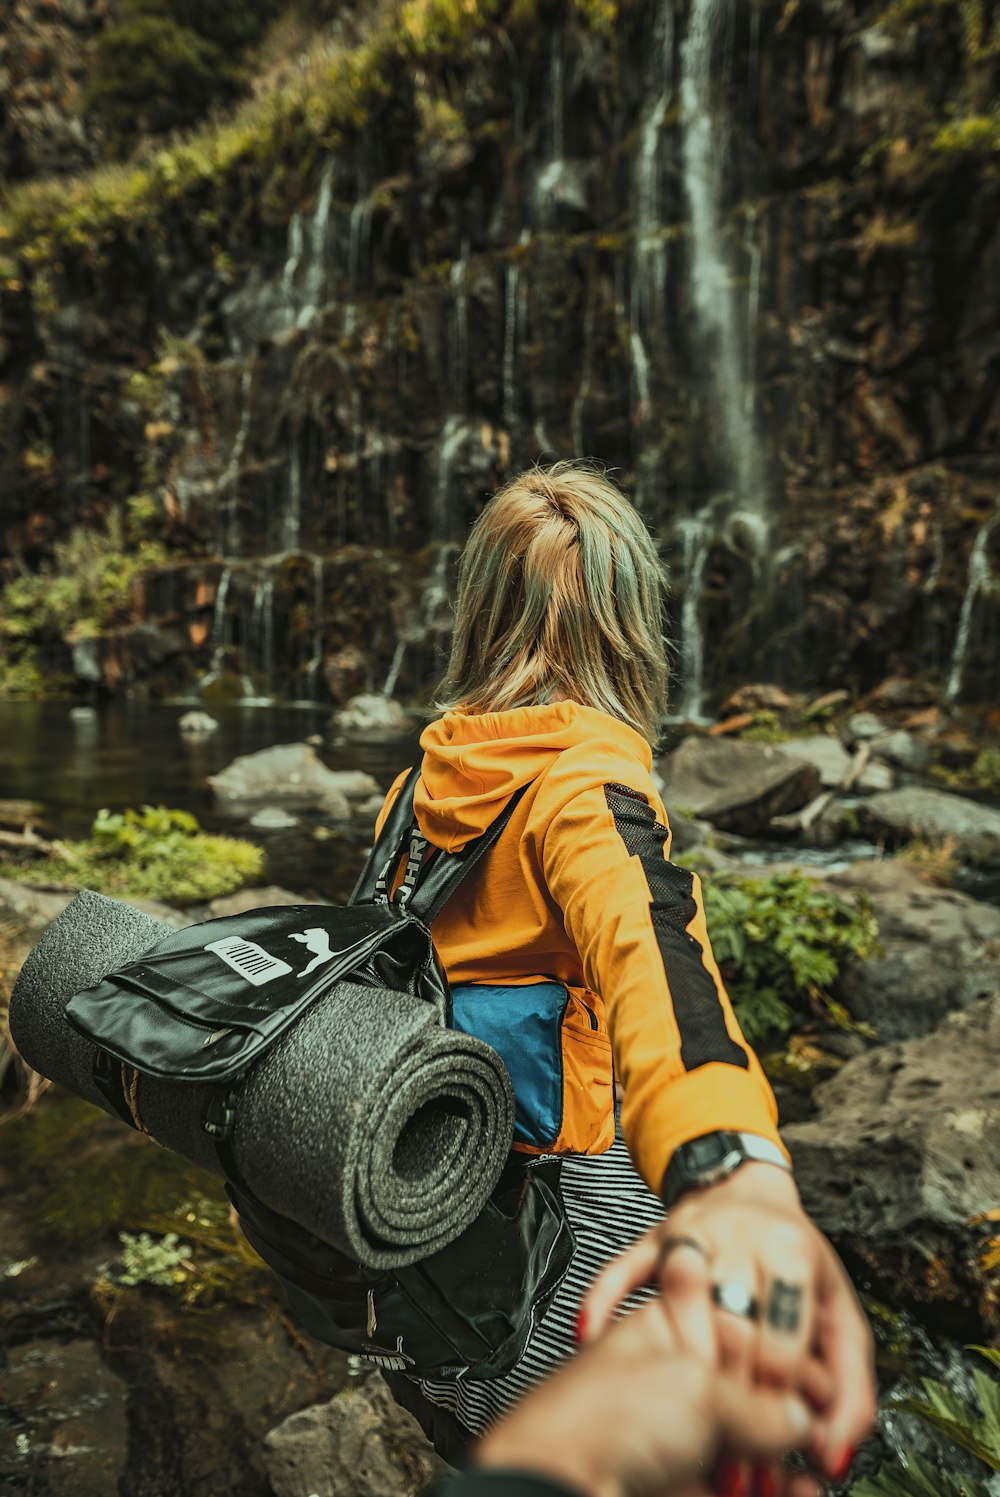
712,1157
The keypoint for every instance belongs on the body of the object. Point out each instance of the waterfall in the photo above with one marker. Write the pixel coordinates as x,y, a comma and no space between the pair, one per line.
394,669
316,258
640,368
695,532
458,342
557,74
291,524
293,259
260,645
979,581
706,142
455,433
359,248
229,482
511,329
650,254
315,662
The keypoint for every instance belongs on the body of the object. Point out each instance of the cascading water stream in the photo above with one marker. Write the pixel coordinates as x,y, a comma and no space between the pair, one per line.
512,318
706,148
291,523
695,532
229,482
316,249
649,258
316,659
980,582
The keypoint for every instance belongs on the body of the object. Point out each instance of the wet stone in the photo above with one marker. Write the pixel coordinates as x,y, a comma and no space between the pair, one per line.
69,1431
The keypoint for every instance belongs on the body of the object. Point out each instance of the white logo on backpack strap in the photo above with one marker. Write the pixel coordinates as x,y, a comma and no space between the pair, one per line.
249,960
318,941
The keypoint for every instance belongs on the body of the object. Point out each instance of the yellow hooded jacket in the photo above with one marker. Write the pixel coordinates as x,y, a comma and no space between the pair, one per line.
580,888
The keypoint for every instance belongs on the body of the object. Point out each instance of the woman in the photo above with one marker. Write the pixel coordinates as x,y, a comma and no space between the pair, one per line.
557,682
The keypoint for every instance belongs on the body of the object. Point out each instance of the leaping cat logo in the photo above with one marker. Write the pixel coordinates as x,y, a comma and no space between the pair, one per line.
318,941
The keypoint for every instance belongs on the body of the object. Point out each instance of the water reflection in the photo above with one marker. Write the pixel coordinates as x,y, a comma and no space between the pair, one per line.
73,761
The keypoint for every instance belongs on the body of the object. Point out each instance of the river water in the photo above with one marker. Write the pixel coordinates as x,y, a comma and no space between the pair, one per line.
133,753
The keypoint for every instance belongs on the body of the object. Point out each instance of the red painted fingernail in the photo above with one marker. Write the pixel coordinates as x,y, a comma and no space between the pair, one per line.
844,1465
580,1328
728,1480
763,1483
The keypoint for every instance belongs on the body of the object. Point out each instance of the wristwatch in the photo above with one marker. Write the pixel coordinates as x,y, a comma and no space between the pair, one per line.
707,1160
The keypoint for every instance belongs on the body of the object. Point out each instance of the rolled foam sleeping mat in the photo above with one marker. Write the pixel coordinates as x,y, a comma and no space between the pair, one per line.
369,1124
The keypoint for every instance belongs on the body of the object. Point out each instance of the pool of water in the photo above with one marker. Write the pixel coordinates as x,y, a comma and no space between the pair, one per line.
133,753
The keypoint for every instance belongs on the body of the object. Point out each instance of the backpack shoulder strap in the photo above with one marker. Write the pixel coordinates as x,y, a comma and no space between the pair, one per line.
445,871
439,875
375,879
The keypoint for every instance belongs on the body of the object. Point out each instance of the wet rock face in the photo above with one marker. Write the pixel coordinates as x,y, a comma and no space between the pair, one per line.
905,1149
939,951
737,256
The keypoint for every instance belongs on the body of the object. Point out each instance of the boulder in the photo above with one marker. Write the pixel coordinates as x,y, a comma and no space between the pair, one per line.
861,726
904,750
903,1151
197,722
360,1444
936,816
736,786
833,761
372,713
292,769
272,819
940,951
758,697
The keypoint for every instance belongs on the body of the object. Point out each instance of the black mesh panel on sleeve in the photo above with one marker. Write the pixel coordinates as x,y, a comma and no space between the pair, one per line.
698,1009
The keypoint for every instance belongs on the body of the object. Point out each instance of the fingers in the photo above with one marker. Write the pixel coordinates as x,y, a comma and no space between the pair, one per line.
616,1281
846,1347
786,1322
685,1279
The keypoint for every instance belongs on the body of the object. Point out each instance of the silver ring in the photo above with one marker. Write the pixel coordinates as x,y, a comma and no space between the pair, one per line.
736,1299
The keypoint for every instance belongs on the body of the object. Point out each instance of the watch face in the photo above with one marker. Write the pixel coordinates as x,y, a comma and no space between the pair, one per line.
709,1152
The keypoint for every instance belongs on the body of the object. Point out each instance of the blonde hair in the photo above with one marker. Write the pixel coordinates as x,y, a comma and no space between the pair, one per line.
561,596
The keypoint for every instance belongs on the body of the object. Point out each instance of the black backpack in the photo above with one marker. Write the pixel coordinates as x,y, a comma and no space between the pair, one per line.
466,1311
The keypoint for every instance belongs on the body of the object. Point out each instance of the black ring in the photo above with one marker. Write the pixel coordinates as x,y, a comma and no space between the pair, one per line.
668,1245
784,1307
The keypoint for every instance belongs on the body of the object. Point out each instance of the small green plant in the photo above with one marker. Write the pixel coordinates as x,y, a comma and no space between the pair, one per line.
155,852
986,770
163,1261
976,1431
937,862
765,728
780,943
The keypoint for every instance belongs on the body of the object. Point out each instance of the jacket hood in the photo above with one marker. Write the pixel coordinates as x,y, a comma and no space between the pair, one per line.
473,763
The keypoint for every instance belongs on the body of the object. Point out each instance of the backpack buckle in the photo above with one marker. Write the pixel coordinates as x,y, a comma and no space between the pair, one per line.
220,1115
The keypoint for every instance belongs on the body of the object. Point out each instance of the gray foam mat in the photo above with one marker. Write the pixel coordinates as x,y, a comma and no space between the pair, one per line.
367,1123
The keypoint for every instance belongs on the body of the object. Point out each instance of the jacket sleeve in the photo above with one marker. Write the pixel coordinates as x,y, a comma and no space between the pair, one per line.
638,922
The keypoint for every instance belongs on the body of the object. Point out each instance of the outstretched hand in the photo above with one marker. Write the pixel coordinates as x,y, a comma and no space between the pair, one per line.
753,1288
633,1415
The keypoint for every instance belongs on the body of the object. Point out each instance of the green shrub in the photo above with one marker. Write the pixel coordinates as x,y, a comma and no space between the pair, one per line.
986,770
86,587
780,943
165,63
155,853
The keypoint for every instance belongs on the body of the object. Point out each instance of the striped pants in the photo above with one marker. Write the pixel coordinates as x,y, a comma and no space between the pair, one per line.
608,1206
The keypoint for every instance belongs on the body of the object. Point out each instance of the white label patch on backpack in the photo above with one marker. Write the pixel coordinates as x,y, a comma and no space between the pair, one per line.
249,960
